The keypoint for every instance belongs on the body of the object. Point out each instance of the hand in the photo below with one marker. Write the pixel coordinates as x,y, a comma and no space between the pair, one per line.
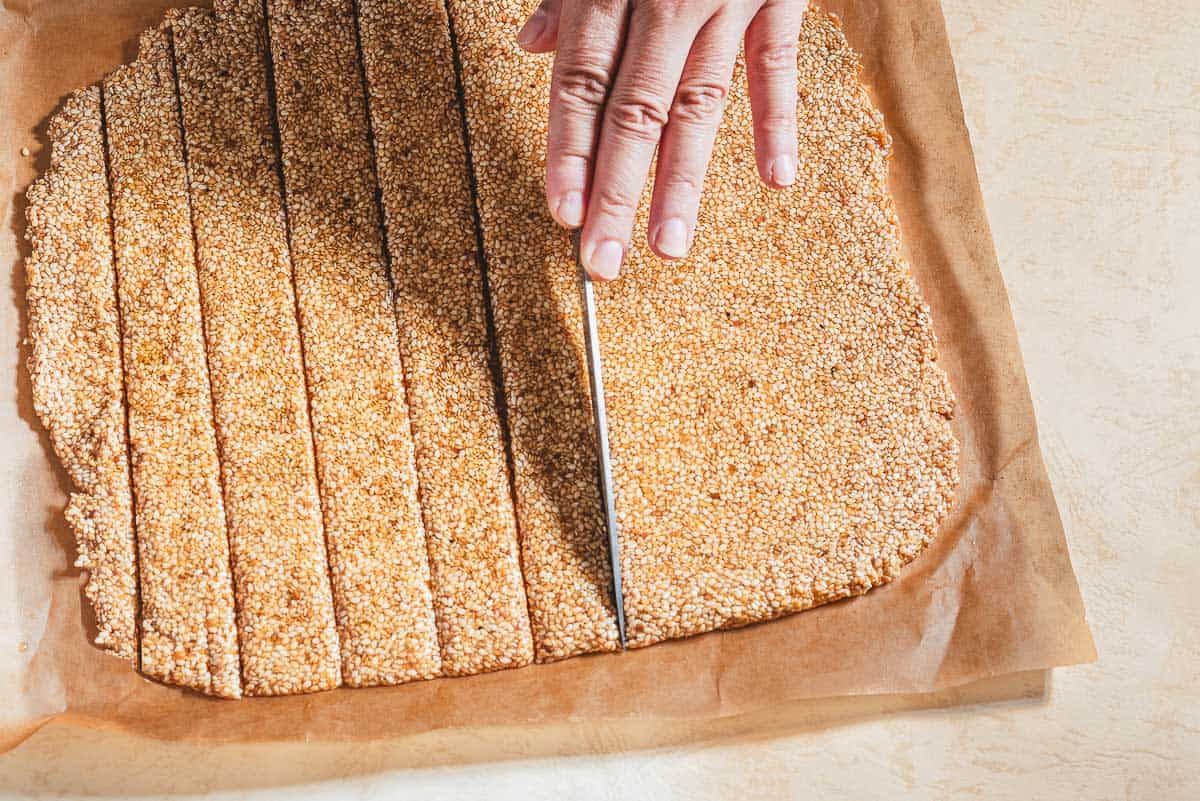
634,75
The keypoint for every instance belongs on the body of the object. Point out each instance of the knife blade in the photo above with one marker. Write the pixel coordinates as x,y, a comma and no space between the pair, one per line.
600,418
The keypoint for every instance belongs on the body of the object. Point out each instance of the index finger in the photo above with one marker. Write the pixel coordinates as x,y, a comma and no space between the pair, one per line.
589,46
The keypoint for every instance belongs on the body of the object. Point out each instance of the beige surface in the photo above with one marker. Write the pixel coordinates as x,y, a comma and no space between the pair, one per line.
1087,131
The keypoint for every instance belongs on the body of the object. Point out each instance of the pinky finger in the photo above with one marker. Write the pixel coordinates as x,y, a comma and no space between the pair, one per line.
771,72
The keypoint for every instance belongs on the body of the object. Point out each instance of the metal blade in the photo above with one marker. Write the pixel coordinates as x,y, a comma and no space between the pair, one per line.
596,379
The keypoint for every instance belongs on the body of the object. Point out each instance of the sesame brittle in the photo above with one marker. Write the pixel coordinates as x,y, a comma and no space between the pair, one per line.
322,392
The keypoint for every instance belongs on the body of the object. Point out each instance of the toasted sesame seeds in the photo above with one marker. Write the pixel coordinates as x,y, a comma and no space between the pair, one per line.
377,551
479,594
75,361
289,640
188,632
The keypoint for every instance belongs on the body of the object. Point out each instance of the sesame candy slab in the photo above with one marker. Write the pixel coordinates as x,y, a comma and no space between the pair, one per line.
780,429
75,361
377,551
318,450
188,631
288,638
479,593
539,336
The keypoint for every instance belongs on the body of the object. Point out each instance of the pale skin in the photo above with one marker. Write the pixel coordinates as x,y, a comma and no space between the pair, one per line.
636,77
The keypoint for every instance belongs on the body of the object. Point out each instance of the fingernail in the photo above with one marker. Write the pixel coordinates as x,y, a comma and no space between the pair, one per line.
672,238
604,260
569,210
532,29
783,171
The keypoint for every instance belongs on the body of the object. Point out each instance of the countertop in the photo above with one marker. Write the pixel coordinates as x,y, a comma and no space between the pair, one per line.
1085,117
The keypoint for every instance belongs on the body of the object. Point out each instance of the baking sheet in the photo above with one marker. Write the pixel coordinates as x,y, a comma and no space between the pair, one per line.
994,594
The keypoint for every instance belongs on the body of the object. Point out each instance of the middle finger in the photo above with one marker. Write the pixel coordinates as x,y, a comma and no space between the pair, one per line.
687,143
659,39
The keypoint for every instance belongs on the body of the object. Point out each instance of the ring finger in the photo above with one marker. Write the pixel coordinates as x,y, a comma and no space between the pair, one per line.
687,142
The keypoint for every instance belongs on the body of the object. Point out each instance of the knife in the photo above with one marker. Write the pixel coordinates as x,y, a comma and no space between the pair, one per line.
591,343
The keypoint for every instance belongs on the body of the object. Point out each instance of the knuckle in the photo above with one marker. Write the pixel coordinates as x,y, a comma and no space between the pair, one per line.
642,118
781,121
612,202
699,101
610,8
684,184
568,160
775,56
583,85
665,11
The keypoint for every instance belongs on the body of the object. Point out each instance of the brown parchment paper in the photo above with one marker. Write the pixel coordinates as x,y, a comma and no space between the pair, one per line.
994,594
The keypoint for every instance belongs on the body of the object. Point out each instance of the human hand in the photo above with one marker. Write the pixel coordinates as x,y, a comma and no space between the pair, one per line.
631,76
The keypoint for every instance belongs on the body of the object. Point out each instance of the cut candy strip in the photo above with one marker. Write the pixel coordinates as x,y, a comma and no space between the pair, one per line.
75,361
479,593
188,632
289,640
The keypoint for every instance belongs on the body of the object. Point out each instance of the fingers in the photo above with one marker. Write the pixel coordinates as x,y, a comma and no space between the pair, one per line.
771,73
664,88
589,46
687,142
660,37
540,32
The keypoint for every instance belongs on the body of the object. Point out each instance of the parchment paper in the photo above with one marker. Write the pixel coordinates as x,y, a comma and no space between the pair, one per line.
994,594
